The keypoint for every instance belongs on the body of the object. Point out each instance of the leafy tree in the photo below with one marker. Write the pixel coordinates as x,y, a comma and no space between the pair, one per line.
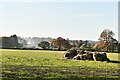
14,40
106,37
44,45
74,43
10,42
86,45
60,43
80,43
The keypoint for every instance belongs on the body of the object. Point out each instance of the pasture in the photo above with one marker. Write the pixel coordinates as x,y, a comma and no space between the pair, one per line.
50,65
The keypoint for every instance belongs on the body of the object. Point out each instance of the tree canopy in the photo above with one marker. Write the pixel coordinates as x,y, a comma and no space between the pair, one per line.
106,35
44,44
106,41
60,43
10,42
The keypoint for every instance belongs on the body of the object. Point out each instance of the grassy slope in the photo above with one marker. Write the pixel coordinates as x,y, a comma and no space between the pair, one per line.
31,64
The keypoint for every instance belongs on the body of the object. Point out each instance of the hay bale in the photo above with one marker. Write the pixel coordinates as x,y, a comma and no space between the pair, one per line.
78,57
100,56
85,56
69,54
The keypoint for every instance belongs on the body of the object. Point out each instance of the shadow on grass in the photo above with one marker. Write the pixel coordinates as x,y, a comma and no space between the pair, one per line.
113,61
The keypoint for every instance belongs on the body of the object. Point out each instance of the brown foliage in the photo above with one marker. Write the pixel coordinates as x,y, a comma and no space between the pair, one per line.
60,43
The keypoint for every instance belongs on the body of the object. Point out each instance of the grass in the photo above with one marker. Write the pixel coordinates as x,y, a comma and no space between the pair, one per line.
50,65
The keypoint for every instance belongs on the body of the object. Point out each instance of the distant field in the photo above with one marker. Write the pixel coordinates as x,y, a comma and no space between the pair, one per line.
50,65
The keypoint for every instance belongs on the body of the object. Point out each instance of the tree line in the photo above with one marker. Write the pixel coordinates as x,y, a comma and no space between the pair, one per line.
9,42
106,42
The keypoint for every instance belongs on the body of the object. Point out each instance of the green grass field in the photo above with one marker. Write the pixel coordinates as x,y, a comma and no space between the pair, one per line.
50,65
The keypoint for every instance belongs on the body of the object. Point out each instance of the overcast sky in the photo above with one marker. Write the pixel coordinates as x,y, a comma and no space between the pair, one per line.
73,20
